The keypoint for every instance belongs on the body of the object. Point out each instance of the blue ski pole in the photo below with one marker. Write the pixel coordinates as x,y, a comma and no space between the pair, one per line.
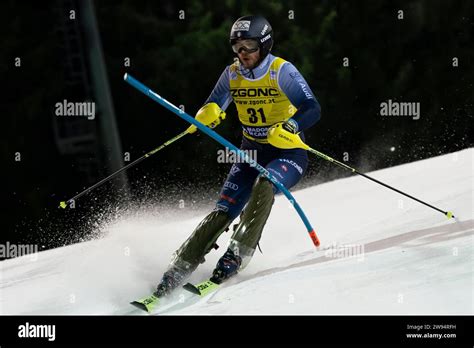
160,100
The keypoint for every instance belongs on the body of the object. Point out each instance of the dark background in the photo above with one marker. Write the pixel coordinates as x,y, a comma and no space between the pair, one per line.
408,60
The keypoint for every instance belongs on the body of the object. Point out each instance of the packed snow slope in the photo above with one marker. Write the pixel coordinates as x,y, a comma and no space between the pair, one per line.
381,253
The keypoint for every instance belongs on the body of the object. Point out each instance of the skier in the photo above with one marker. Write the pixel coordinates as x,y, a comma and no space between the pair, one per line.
266,90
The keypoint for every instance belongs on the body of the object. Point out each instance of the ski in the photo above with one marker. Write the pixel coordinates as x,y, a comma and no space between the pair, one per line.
147,303
203,288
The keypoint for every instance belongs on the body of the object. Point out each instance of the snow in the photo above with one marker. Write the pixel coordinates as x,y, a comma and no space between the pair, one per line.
381,253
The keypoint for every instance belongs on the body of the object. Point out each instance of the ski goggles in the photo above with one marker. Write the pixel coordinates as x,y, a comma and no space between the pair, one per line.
248,45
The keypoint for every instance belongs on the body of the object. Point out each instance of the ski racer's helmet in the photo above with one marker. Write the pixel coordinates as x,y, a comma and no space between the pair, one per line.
256,28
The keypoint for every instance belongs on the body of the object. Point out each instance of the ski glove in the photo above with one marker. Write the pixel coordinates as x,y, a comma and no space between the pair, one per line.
210,115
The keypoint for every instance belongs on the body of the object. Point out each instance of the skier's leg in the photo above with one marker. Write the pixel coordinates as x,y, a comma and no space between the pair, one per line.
186,259
234,194
247,234
288,170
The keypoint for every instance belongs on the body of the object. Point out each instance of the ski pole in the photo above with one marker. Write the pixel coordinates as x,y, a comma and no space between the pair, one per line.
160,100
281,138
64,204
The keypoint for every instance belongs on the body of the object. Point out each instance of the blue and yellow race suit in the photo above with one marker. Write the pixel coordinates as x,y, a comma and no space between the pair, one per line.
272,92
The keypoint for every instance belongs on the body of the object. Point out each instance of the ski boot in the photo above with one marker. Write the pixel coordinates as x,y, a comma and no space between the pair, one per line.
226,267
171,280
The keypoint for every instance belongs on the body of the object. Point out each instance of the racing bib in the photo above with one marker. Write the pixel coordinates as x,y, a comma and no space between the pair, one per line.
260,102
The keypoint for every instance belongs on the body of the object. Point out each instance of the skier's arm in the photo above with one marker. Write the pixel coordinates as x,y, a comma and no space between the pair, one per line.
221,92
300,95
212,112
